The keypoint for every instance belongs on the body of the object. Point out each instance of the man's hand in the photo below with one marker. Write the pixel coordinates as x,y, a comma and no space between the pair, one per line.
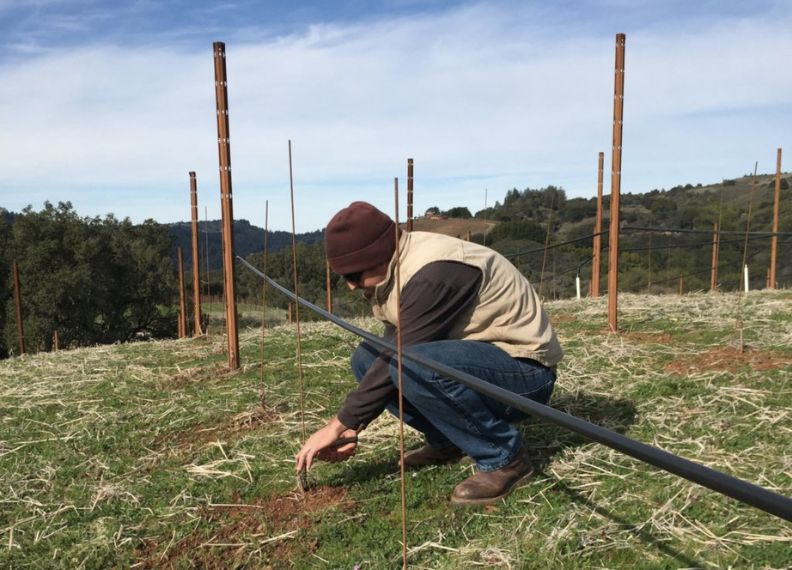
319,445
342,452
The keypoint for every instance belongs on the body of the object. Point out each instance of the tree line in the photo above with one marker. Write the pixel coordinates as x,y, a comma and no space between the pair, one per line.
94,280
103,280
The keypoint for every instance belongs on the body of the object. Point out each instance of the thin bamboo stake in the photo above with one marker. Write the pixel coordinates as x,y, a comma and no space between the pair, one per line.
397,292
196,264
297,305
613,241
547,242
18,302
774,241
328,289
224,151
649,277
748,219
263,395
409,194
715,253
206,266
182,300
668,258
740,323
596,261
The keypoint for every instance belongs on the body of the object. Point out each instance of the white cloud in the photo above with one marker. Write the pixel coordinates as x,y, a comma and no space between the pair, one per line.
479,97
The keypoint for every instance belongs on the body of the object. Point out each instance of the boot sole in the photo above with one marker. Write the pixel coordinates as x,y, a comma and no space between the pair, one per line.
460,502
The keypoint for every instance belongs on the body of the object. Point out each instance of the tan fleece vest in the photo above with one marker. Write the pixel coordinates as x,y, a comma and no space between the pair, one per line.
507,311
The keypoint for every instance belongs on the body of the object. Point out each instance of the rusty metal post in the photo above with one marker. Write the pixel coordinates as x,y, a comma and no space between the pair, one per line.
183,331
18,301
56,340
613,241
596,261
409,194
327,286
196,260
224,152
715,253
774,241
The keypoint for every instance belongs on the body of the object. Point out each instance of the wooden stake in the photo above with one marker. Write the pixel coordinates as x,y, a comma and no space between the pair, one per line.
18,302
715,252
56,340
196,259
226,200
596,262
681,285
182,300
774,241
613,241
409,194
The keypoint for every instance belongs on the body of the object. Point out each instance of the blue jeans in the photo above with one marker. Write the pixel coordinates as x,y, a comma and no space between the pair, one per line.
448,413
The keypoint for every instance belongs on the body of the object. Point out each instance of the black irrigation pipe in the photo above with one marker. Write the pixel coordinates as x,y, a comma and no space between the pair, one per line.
754,495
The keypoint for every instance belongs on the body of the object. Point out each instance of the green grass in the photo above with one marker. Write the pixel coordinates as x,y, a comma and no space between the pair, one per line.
152,455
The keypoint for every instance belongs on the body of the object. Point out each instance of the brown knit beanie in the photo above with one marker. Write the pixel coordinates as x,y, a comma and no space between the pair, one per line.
359,237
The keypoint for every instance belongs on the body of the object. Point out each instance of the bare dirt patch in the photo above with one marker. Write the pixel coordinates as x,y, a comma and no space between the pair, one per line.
230,534
455,227
725,359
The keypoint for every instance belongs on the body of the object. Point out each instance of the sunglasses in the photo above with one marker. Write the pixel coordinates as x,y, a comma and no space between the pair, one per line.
353,277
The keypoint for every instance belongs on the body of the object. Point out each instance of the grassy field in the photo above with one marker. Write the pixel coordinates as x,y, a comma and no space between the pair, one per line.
152,455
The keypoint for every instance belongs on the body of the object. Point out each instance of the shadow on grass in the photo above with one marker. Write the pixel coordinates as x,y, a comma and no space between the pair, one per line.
545,440
645,536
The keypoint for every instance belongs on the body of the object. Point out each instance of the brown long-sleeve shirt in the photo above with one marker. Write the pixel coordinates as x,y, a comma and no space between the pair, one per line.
432,302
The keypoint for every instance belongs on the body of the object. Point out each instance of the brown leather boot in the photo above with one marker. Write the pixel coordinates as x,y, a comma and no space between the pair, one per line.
485,487
428,455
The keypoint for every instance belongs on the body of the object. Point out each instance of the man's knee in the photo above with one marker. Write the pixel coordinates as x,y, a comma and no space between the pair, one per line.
362,359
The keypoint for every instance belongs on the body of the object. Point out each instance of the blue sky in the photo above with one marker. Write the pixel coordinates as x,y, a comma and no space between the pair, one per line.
109,104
